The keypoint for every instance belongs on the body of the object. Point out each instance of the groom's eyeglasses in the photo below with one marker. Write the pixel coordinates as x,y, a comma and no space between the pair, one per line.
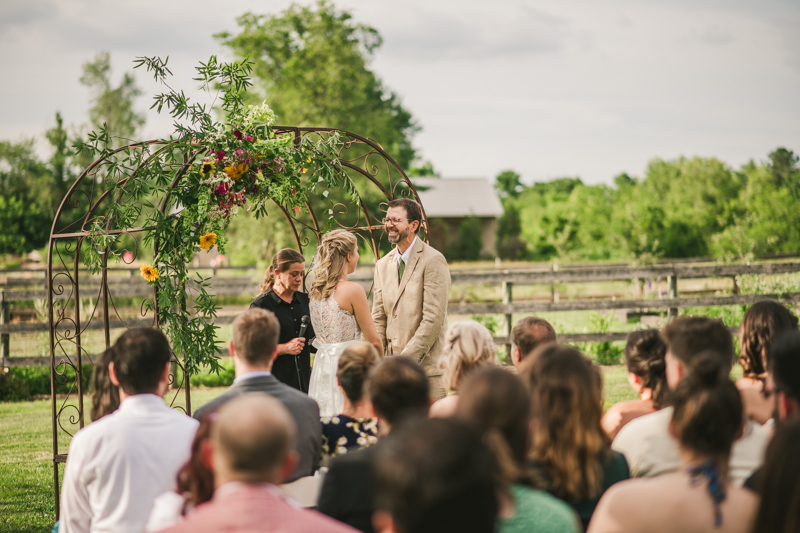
393,221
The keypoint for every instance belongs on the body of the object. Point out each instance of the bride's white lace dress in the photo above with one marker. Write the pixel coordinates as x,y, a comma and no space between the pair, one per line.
335,329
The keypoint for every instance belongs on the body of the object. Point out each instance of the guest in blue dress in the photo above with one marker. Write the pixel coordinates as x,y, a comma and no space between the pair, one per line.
356,425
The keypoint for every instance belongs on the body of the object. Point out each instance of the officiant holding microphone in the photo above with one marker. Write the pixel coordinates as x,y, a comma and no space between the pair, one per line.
280,294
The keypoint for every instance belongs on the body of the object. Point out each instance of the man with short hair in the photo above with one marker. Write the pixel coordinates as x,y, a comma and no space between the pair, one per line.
252,451
399,393
410,293
119,464
529,333
646,442
254,347
436,475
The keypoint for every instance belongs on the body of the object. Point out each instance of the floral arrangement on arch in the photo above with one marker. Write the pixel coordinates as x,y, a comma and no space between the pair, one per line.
208,171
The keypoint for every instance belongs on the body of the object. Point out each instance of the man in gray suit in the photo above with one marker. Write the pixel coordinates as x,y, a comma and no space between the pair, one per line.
254,348
412,286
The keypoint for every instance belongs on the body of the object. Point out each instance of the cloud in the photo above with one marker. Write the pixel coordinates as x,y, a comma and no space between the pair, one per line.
14,13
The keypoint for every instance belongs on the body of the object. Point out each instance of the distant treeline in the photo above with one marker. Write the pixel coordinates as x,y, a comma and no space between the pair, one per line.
681,208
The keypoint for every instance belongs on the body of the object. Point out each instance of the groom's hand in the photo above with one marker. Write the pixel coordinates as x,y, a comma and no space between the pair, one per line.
293,347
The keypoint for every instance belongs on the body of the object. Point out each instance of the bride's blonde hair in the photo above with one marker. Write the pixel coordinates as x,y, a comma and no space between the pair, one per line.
330,262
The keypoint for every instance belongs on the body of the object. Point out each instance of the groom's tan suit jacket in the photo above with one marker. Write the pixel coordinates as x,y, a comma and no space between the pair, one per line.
411,314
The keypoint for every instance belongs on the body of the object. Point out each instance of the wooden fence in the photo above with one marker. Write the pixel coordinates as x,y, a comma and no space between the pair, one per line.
17,289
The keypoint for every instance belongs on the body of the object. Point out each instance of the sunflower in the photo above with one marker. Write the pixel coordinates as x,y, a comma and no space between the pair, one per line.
208,240
207,168
149,272
235,172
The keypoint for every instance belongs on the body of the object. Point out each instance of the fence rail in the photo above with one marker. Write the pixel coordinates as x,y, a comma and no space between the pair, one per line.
17,289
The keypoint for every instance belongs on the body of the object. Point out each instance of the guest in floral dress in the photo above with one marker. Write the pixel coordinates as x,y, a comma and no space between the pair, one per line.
355,426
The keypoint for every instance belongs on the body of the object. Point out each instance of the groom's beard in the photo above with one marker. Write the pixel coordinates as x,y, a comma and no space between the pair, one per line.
397,237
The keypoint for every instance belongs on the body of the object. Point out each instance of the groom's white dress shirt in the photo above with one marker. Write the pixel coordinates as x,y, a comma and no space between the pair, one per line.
118,465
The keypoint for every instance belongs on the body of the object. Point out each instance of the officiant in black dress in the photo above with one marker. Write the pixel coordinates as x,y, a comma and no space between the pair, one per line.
280,294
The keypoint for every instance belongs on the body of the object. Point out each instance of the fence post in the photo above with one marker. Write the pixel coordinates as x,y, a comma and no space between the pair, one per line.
508,322
5,316
672,282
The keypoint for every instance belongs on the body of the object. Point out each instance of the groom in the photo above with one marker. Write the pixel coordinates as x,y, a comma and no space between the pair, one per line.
412,285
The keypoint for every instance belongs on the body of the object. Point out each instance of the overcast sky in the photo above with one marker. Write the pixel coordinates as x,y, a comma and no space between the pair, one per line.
547,88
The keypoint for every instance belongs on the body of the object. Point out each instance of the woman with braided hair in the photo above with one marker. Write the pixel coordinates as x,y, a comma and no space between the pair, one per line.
340,314
762,323
647,375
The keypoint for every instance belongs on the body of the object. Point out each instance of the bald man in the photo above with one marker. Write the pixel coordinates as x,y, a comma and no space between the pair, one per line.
252,444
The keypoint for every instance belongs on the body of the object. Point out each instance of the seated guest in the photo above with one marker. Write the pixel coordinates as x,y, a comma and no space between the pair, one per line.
762,323
105,395
195,482
118,465
779,483
355,427
400,392
254,349
468,346
645,441
570,450
784,382
499,403
435,476
647,374
529,333
252,451
699,496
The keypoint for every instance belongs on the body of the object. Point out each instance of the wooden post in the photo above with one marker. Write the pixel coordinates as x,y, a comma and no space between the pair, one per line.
508,323
5,316
735,286
672,283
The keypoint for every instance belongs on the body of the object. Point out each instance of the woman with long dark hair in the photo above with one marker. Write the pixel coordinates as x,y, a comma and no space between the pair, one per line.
281,294
647,375
700,496
105,395
570,451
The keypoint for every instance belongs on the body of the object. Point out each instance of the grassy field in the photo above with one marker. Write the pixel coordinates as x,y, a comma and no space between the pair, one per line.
26,474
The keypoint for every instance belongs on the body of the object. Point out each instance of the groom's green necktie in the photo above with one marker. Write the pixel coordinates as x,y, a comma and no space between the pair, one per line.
401,267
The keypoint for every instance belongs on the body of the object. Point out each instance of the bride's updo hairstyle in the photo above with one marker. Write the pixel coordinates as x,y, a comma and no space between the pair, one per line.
282,262
468,346
330,262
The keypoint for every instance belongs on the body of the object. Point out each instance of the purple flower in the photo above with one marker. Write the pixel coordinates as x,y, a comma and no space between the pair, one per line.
237,134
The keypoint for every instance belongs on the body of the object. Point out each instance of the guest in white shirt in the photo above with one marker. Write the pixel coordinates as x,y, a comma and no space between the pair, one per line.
646,443
119,464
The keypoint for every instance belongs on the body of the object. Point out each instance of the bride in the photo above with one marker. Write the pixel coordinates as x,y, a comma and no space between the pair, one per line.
339,314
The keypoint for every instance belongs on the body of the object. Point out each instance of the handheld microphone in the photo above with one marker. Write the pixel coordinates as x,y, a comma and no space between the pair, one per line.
303,326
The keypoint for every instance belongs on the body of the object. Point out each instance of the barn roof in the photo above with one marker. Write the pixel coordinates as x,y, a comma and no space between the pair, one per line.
458,197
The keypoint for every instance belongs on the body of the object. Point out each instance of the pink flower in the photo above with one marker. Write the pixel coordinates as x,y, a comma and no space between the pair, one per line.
249,138
220,155
222,189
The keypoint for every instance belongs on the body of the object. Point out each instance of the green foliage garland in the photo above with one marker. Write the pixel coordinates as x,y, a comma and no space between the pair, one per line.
207,171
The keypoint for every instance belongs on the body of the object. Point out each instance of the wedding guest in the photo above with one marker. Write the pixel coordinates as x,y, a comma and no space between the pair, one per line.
779,484
647,375
784,382
434,476
570,450
281,294
355,426
762,323
195,482
105,395
468,346
699,496
252,451
254,349
499,403
645,441
399,391
529,333
118,465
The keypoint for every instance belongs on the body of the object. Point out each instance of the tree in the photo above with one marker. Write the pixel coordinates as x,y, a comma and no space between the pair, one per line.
112,106
783,167
424,170
312,66
468,245
509,184
509,243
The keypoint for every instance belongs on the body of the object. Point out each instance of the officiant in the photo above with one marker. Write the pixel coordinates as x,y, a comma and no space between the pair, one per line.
280,294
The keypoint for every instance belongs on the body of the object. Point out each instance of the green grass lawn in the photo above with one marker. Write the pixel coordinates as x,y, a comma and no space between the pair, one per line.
26,472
